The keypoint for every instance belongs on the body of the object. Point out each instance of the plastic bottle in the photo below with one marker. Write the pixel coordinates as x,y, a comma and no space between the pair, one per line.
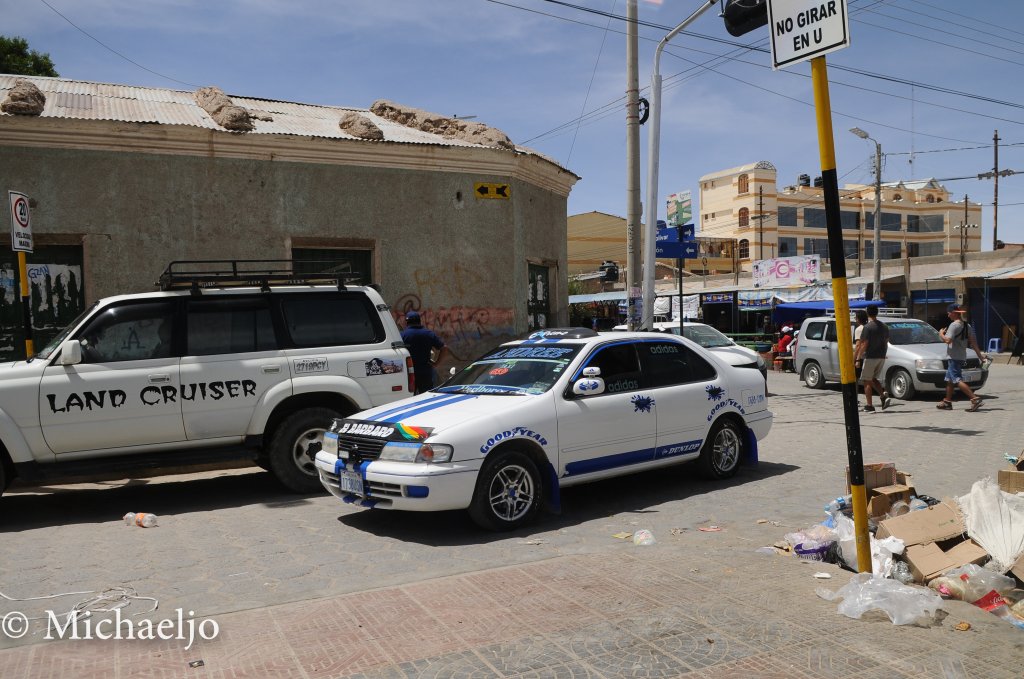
140,519
839,504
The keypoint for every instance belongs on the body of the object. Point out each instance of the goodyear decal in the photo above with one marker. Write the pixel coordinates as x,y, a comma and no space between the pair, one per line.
514,432
725,404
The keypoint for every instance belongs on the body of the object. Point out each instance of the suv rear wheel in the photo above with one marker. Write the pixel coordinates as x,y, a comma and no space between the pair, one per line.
293,446
812,376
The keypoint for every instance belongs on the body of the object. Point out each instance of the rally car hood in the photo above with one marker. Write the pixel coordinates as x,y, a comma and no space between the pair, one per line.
438,411
734,355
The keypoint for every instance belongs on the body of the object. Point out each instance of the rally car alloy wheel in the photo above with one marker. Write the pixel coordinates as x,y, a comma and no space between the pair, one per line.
508,492
720,455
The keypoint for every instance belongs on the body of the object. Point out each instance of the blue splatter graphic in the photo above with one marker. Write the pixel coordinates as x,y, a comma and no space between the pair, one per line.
714,393
642,404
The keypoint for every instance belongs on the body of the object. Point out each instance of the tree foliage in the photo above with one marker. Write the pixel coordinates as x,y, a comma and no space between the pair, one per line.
17,59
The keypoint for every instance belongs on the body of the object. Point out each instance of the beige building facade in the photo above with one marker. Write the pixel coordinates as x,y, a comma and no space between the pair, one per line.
918,218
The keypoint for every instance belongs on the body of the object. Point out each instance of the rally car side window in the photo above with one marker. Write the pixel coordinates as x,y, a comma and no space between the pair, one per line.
229,326
620,367
670,363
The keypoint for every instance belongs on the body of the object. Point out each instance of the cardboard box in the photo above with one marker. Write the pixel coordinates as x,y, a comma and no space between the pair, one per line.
930,561
907,480
1011,479
884,497
1018,568
875,475
941,522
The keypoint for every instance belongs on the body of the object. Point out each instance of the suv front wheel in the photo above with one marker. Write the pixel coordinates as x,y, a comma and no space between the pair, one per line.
293,446
812,376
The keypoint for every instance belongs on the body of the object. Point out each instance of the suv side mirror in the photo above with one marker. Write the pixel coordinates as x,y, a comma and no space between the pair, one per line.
70,353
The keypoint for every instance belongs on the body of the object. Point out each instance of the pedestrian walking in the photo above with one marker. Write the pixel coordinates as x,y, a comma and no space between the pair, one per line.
862,319
422,344
958,336
870,355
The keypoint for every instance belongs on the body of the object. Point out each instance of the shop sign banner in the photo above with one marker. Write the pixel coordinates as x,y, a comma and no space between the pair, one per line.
783,271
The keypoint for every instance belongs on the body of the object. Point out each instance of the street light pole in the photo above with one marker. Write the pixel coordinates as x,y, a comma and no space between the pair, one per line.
654,143
877,239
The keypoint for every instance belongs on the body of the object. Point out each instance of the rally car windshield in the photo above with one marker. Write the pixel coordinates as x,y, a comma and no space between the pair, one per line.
706,336
513,370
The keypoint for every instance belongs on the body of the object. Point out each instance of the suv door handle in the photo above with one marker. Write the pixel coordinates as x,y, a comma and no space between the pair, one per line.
158,378
268,369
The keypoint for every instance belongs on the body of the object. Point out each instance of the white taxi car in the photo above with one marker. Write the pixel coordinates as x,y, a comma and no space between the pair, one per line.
566,406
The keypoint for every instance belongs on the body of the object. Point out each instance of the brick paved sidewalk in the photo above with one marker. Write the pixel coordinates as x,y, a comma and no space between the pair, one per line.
657,611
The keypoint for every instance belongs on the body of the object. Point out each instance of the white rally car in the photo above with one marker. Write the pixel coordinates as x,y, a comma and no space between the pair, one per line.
560,408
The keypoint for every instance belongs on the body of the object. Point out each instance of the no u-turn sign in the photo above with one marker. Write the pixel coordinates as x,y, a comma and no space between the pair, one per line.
21,222
804,29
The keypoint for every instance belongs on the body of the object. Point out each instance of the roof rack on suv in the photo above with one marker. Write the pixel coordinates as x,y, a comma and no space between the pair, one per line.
898,312
197,274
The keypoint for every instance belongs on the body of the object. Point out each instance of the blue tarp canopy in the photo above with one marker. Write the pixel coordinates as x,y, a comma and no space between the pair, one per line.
794,312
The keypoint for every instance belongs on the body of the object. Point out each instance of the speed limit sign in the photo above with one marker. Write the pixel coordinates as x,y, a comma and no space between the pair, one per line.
21,223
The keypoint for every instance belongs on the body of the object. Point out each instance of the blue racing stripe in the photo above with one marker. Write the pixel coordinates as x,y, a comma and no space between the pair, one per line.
433,405
386,413
598,464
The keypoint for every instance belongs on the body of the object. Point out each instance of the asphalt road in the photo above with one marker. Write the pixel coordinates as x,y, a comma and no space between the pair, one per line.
234,540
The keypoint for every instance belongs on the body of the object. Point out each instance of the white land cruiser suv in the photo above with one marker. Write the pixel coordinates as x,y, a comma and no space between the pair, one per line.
230,360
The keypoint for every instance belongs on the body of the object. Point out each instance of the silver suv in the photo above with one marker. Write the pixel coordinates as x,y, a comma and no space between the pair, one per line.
230,360
915,361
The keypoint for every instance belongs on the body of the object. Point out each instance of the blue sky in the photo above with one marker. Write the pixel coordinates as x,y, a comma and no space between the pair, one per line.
532,67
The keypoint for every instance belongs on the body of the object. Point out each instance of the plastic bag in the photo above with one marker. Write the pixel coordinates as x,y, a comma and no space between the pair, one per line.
643,537
995,520
882,551
972,582
818,533
903,604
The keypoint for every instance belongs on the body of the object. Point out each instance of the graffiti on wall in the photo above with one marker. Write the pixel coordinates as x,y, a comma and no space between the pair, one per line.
467,331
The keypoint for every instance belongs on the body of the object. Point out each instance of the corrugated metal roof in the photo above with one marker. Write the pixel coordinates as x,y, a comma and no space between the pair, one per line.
83,100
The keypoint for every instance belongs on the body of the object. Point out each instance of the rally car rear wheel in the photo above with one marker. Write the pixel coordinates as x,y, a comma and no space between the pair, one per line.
720,455
508,493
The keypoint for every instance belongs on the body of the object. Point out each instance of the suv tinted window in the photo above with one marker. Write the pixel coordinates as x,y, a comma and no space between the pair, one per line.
830,332
331,320
668,363
129,332
233,325
815,331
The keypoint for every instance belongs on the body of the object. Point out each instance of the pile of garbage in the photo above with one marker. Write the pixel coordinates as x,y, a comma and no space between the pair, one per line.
925,550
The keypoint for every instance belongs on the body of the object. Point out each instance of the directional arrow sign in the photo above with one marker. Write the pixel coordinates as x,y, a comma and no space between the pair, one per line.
675,250
671,234
487,190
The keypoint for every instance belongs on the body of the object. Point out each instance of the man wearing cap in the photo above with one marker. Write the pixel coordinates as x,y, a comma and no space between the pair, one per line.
958,336
421,344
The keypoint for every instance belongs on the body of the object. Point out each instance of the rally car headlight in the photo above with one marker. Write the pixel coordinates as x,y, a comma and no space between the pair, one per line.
929,364
397,451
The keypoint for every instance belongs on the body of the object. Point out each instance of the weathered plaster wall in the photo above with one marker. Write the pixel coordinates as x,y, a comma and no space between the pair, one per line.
460,260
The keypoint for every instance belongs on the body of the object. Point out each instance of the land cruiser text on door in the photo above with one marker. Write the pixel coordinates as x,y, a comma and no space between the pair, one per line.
229,360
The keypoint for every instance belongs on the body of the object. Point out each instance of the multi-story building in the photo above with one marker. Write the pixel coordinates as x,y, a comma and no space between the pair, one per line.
918,218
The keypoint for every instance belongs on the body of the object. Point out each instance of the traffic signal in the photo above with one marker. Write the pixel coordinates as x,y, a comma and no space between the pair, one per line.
743,16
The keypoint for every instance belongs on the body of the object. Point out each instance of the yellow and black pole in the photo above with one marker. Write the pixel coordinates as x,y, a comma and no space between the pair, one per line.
836,255
26,310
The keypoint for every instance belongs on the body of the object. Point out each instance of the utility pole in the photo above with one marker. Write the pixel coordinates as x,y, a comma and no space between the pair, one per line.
995,195
633,208
963,227
760,222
